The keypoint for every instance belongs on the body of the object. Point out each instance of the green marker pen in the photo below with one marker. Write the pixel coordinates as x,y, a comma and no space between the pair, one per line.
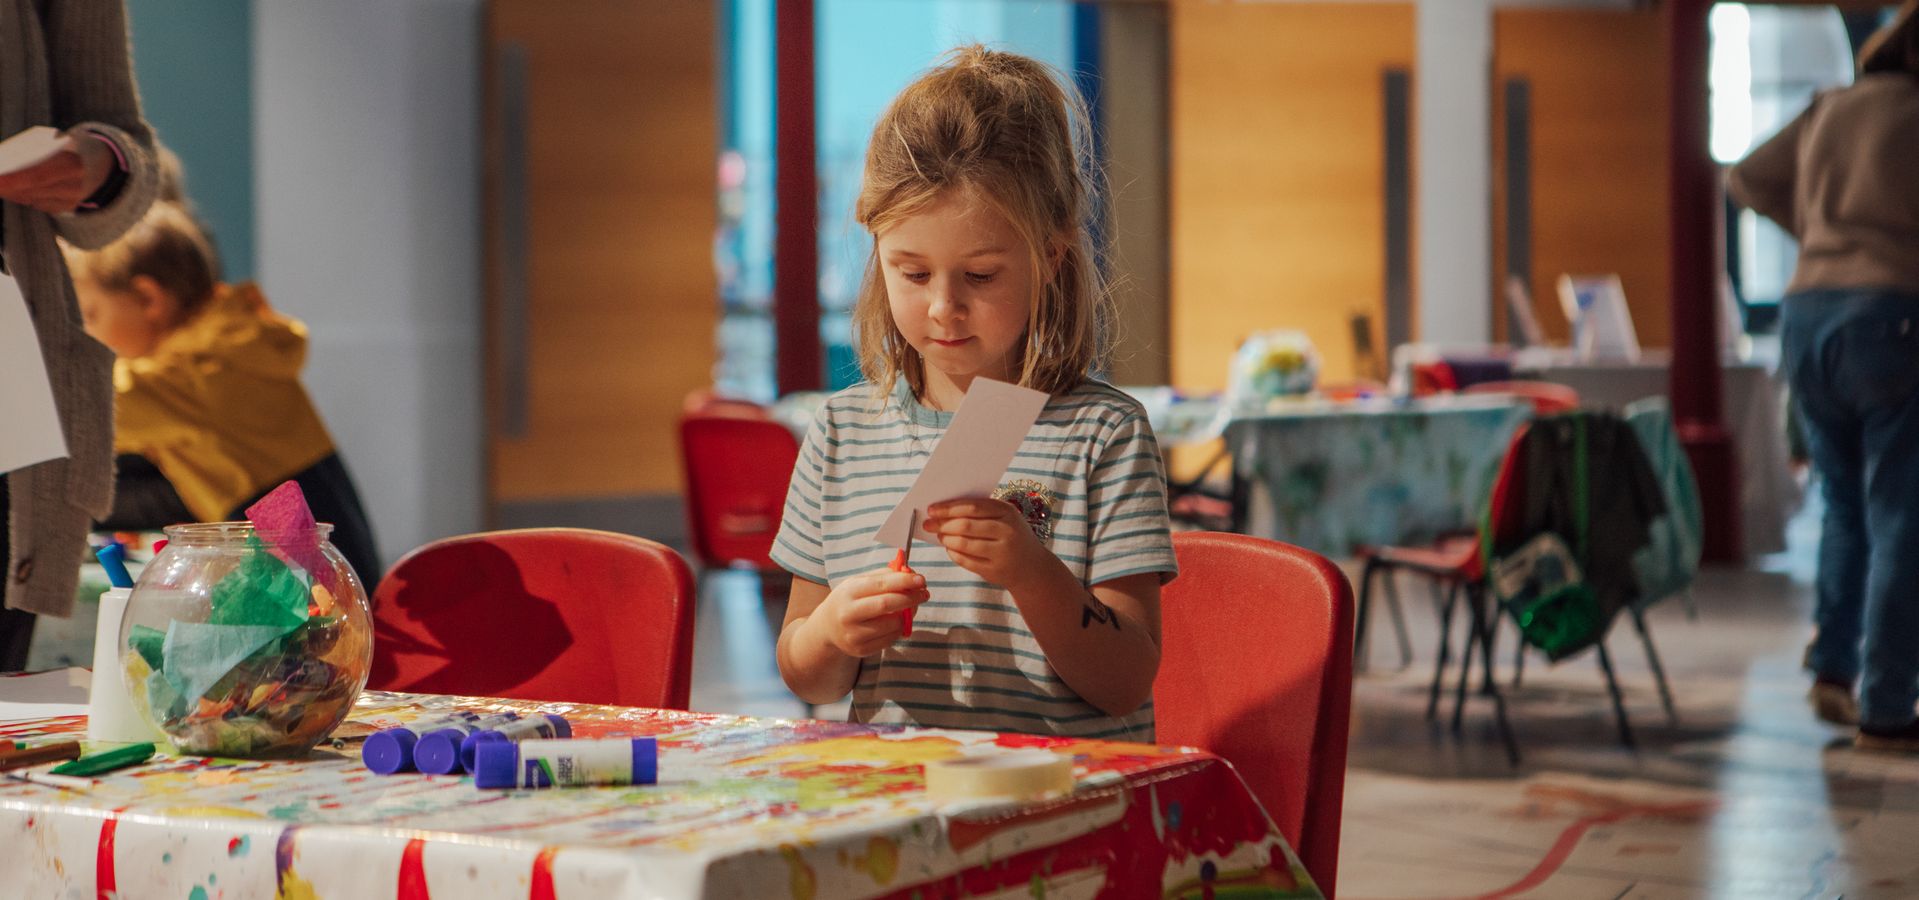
117,758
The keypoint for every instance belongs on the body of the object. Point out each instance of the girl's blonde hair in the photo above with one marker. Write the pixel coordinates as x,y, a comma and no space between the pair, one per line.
166,245
1006,129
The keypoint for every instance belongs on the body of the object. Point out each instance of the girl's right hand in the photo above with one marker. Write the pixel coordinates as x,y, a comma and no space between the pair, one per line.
861,616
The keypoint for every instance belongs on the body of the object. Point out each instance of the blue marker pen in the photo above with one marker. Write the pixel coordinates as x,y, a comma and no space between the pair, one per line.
545,725
113,558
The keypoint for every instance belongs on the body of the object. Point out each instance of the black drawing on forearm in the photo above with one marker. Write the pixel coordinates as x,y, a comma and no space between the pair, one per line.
1096,611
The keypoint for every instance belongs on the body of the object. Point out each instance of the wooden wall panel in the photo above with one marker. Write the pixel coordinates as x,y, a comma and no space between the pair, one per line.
1600,177
1277,174
622,141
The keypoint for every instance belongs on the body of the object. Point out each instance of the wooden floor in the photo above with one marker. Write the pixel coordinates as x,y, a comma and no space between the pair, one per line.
1746,797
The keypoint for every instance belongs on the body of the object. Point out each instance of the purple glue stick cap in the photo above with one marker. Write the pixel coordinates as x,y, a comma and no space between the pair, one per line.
388,752
471,746
646,761
495,764
438,752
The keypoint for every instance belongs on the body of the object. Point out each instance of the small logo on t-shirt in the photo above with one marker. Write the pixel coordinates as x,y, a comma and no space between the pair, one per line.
1035,501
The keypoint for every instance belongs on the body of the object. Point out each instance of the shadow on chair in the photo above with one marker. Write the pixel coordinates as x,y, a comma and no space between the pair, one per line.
558,614
1256,666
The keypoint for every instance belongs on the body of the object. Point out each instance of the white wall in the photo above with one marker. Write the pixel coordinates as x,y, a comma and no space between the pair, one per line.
367,176
1453,171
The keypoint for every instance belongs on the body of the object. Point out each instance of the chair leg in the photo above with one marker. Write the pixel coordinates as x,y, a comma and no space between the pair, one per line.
1399,623
1618,699
1361,615
1519,662
1445,605
1658,671
1692,607
1474,634
1499,700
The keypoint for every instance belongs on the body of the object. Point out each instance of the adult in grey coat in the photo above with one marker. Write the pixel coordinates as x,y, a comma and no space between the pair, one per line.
64,63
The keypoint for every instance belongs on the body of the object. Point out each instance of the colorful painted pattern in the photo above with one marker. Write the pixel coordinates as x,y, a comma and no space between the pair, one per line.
745,808
1334,477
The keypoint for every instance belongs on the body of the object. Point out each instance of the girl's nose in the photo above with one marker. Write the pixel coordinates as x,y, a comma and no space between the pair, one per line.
945,303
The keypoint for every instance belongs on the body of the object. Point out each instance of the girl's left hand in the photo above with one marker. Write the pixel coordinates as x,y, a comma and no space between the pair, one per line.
989,538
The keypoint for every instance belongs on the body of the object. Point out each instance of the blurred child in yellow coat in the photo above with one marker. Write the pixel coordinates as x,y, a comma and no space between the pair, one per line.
209,412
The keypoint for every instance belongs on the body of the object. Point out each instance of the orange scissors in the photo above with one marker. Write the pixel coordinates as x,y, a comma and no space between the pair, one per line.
899,565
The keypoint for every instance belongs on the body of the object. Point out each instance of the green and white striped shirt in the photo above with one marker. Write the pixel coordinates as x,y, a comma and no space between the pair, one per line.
971,662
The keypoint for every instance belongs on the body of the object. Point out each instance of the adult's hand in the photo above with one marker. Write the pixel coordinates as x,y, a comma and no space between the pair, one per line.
57,184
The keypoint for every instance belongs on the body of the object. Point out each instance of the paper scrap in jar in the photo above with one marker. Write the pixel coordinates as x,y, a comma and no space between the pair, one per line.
285,522
198,655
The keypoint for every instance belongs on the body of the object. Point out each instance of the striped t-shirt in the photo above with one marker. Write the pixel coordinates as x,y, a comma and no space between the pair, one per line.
971,662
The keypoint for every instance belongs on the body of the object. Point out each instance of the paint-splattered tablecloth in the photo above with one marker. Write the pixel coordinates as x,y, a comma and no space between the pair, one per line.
747,808
1334,477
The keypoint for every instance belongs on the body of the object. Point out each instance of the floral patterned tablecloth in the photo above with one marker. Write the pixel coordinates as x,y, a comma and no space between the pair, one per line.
1333,477
749,808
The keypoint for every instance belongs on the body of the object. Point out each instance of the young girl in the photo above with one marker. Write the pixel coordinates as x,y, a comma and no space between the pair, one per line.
209,412
1037,609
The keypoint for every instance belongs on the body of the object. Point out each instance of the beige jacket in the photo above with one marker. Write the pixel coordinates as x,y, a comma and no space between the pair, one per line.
64,63
1843,178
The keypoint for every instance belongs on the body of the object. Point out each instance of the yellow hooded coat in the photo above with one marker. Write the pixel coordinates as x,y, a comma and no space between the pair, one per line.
218,405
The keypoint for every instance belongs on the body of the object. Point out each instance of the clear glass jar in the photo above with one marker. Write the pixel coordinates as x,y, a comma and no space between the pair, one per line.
235,647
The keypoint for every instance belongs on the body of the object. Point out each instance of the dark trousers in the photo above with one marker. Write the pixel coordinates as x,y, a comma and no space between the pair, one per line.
16,627
1852,357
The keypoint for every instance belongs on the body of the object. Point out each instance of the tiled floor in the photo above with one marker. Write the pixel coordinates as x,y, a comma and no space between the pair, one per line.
1746,797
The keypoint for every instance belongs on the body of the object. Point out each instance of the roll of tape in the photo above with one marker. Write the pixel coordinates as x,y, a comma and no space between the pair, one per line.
1023,775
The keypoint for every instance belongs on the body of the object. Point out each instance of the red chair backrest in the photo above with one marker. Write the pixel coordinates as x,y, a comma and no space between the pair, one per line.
1256,662
561,614
704,402
1547,398
737,471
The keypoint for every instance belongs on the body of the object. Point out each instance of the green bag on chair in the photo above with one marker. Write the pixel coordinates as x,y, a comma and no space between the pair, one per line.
1540,581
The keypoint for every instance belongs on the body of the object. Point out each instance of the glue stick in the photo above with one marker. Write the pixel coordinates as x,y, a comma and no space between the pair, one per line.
390,750
545,725
438,752
566,763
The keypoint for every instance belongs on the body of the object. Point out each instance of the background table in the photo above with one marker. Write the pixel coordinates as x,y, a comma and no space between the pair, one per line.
1769,494
1333,477
751,808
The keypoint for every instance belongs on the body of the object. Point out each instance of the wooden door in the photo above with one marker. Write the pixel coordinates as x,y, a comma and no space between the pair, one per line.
1278,175
602,136
1600,177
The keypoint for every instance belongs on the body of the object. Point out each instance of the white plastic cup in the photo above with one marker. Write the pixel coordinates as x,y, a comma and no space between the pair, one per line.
111,715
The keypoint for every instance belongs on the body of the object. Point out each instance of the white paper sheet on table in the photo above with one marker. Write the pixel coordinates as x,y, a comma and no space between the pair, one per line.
986,432
60,692
32,432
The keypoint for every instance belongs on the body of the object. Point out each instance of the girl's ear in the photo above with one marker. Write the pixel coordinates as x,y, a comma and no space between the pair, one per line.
157,304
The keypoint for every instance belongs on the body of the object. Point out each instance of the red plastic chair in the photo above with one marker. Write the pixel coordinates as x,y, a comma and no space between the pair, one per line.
1454,566
1256,666
562,614
737,471
1547,398
705,402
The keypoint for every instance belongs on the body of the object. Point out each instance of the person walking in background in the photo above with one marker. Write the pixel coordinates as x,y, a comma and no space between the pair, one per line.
67,67
1842,179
